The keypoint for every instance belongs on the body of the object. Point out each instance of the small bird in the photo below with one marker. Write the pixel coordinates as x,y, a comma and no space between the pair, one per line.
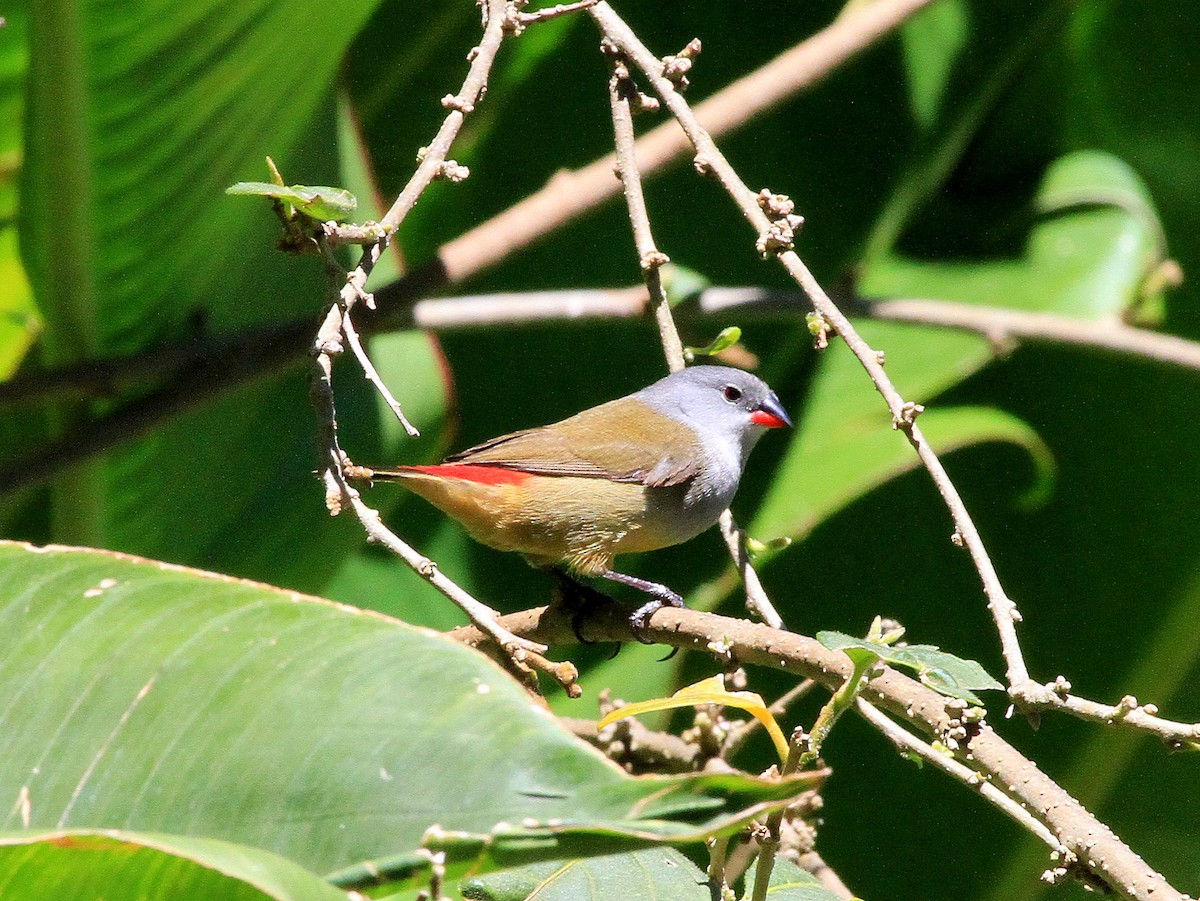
643,472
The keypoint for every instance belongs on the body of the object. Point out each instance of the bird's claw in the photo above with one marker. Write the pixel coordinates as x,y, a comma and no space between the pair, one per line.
641,617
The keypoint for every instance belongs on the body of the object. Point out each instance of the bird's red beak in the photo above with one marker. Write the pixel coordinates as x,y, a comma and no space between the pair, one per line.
771,414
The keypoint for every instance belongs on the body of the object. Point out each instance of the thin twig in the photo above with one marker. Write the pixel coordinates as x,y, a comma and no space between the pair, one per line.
774,240
1127,712
621,90
550,12
372,375
757,601
1098,850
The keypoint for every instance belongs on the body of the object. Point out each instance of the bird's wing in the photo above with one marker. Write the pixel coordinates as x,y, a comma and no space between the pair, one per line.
624,441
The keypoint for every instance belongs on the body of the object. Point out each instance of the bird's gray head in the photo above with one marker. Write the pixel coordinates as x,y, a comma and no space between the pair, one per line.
724,405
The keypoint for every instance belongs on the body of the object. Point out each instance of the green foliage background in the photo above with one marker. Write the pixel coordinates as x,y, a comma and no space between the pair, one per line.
917,167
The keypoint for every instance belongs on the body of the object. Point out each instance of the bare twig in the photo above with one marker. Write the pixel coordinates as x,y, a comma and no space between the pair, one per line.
621,90
1099,852
622,94
757,601
548,12
1127,712
771,217
372,375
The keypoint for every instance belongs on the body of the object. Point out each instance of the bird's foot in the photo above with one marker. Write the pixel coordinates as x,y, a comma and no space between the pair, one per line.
663,597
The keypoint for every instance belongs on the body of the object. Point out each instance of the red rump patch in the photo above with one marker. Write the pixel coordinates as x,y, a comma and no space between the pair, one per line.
475,472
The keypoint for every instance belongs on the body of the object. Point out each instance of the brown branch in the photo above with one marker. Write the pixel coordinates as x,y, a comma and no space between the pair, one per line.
1095,849
1003,327
771,217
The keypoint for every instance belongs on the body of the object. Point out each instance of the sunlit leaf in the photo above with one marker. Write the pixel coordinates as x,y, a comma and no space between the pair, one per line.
171,700
708,691
941,671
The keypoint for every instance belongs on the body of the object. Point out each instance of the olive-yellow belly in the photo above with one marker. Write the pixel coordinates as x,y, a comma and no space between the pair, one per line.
582,522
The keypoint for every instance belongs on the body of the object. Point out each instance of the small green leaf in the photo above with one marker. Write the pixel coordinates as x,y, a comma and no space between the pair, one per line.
728,337
941,671
951,675
319,202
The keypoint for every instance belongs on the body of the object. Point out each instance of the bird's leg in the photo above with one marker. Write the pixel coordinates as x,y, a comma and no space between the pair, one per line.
581,600
662,595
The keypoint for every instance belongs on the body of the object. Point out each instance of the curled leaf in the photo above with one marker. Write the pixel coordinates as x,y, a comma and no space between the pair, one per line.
708,691
726,339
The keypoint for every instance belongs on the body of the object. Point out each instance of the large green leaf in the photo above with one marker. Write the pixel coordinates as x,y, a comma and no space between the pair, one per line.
179,102
149,697
77,865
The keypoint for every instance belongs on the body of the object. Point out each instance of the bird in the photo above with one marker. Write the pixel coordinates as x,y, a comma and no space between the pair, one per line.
649,470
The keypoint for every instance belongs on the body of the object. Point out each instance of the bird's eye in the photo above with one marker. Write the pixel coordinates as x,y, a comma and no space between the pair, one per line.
732,393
